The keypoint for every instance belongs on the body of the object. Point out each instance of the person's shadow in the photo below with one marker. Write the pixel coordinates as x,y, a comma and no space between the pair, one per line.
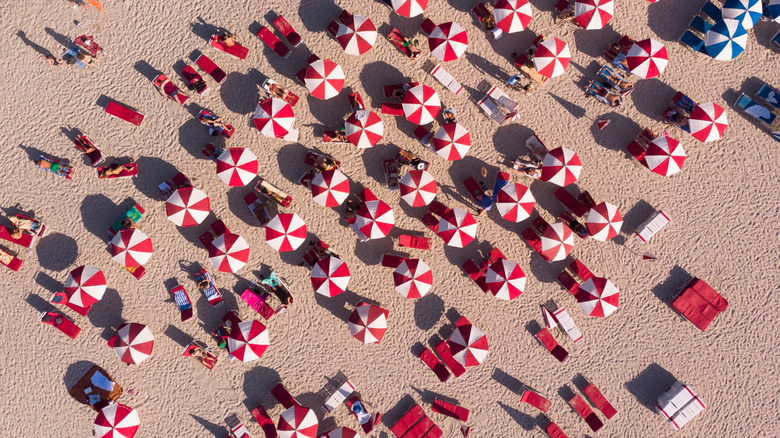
60,38
34,46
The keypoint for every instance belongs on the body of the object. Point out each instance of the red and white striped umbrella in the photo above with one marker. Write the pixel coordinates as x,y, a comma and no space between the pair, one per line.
375,219
330,188
229,252
593,14
341,432
557,241
552,57
324,79
248,340
665,156
298,422
515,202
598,297
457,227
512,15
187,207
131,247
133,343
448,41
409,8
356,34
505,279
452,141
285,232
604,221
364,128
561,166
274,118
647,58
85,286
418,188
117,421
368,323
237,167
421,105
413,278
330,276
469,345
708,122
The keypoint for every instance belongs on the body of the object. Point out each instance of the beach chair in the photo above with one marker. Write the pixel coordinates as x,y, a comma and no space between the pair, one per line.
407,420
570,202
273,42
178,181
208,362
537,148
473,271
431,222
679,405
548,341
333,28
122,112
485,18
69,169
192,77
428,358
568,282
427,26
183,302
125,173
417,242
477,193
390,261
283,26
258,209
502,99
493,112
62,323
579,269
392,109
397,38
289,96
275,193
438,208
776,41
213,295
554,431
135,213
769,95
367,421
521,62
211,69
450,410
600,401
567,324
392,179
756,110
311,160
265,421
637,151
652,225
283,396
493,256
236,50
83,144
26,240
237,428
694,42
96,389
446,79
407,158
338,396
700,25
712,11
535,400
699,303
534,241
582,409
443,350
170,90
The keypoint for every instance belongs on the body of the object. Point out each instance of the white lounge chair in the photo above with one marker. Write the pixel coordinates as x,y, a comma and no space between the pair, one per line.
679,405
338,397
652,225
567,324
446,79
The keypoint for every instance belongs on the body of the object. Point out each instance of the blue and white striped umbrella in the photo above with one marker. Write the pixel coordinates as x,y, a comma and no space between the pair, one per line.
726,39
746,12
774,10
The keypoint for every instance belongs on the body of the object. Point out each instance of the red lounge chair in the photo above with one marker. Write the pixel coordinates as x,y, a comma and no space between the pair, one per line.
534,241
390,261
570,202
344,16
171,90
407,420
568,282
273,192
122,112
446,356
182,302
273,42
431,222
428,358
265,422
540,224
536,401
258,209
62,323
492,257
427,26
546,338
62,298
481,13
311,160
417,242
26,240
367,421
553,431
236,50
637,151
392,109
424,429
208,363
699,303
356,102
388,89
600,401
450,410
284,27
583,410
283,396
133,172
212,69
580,270
438,208
82,143
473,271
333,28
191,76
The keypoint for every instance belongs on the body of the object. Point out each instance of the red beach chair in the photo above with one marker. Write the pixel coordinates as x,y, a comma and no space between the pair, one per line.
548,341
271,191
570,202
427,26
600,401
171,90
473,271
637,151
26,240
699,303
284,27
122,112
446,355
536,401
182,302
208,363
568,282
583,410
450,410
366,420
534,241
580,270
428,358
283,396
265,422
62,323
554,431
417,242
212,69
236,50
407,420
390,261
392,109
273,42
125,173
191,76
83,144
258,209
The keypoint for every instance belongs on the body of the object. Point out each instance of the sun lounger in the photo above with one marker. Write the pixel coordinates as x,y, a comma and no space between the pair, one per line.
477,193
600,401
769,95
446,79
582,409
338,396
271,191
536,400
62,323
26,240
694,42
567,324
679,405
637,151
431,222
289,96
170,90
192,77
540,224
333,28
570,202
756,110
428,358
424,135
534,241
212,69
443,350
344,16
311,160
423,429
226,131
438,208
83,143
265,421
418,242
209,362
450,410
135,213
493,112
652,225
283,396
182,302
580,270
284,27
712,11
236,50
358,409
392,109
397,38
554,431
407,420
548,341
258,209
390,261
237,428
568,282
392,178
501,98
213,295
493,256
125,173
178,181
122,112
482,15
537,148
699,25
406,158
62,298
427,26
273,42
473,271
699,303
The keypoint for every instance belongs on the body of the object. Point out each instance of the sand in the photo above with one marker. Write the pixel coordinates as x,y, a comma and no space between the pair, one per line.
723,206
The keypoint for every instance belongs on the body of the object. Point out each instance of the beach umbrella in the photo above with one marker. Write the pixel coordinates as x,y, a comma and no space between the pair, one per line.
665,156
747,12
557,241
298,422
469,345
421,105
364,128
552,57
413,278
248,340
285,232
457,227
375,219
133,342
647,58
593,14
131,247
368,323
448,41
330,276
512,15
229,252
598,297
274,118
330,188
505,279
774,10
237,167
117,421
187,207
324,79
418,188
409,8
85,286
341,432
452,141
604,221
515,202
356,34
561,166
708,122
726,39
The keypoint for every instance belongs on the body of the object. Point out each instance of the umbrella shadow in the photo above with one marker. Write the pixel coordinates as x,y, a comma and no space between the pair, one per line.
666,19
193,137
593,42
615,136
241,92
153,166
666,291
177,336
372,162
649,384
75,372
56,251
510,382
638,213
95,217
342,305
651,97
375,76
257,387
428,310
486,67
146,70
204,30
107,313
39,304
369,252
395,413
316,14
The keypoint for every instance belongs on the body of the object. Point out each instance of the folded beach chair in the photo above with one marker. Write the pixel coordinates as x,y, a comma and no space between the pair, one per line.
756,110
171,90
473,271
567,324
450,410
600,401
679,405
582,409
208,363
427,26
483,15
62,323
769,95
554,431
652,225
83,143
182,302
236,50
284,27
548,341
699,303
212,69
390,261
407,420
536,400
283,396
265,421
273,42
122,112
367,421
418,242
125,173
275,193
136,212
570,202
338,396
446,79
258,209
26,240
237,428
191,76
213,295
443,350
428,358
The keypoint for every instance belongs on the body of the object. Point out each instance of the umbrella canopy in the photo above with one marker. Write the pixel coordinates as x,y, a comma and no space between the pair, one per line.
647,58
85,286
708,122
298,422
117,421
774,10
187,207
248,340
469,345
598,297
324,79
515,202
726,39
368,323
356,34
747,12
452,141
512,15
448,41
505,279
229,252
457,227
604,221
413,278
364,128
418,188
421,104
341,432
593,14
557,241
665,156
561,166
330,188
552,57
409,8
274,118
330,276
131,247
285,232
237,167
133,343
375,219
